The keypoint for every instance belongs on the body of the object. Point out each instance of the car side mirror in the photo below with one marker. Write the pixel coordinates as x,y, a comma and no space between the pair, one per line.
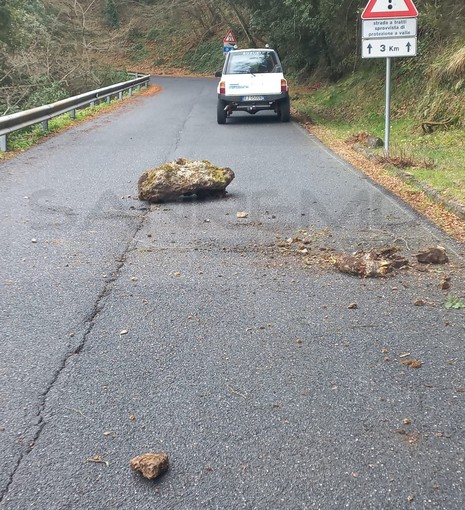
218,74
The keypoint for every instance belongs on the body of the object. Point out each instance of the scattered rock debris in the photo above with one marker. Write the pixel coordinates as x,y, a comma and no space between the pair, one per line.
412,363
150,465
308,245
242,214
372,263
184,177
368,263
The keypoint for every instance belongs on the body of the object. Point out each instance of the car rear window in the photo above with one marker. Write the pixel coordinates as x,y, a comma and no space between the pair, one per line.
251,62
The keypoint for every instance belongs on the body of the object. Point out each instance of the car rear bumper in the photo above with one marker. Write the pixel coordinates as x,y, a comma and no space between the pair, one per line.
253,99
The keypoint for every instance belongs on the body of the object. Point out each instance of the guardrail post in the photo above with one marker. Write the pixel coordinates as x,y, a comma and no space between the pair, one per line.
45,125
3,143
120,95
130,91
72,114
107,99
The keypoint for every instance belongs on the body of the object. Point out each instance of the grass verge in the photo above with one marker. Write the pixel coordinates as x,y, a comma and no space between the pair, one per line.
426,164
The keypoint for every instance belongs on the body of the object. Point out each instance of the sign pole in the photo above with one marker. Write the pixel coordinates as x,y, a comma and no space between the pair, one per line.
389,29
387,125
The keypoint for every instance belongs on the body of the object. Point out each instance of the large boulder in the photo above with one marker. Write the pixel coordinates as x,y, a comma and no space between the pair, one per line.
183,177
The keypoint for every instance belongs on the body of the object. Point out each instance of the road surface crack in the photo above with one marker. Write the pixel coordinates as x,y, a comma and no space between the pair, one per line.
90,322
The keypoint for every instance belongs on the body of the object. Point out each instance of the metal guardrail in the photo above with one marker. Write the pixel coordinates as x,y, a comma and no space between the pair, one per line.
42,114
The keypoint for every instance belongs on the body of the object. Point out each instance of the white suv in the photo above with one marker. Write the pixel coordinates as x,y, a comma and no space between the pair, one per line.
252,80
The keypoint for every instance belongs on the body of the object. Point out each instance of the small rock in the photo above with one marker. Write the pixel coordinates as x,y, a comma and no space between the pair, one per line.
445,285
362,266
150,465
352,306
242,214
374,141
433,256
412,363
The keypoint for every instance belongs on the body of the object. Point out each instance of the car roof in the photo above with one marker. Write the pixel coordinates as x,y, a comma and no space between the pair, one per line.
255,49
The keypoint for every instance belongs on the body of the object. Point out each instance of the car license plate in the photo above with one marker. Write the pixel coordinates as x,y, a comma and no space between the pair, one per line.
253,98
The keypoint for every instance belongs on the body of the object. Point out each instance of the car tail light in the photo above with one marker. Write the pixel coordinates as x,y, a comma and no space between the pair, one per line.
222,87
284,87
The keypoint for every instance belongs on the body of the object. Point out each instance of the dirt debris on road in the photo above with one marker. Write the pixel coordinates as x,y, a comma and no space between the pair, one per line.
150,465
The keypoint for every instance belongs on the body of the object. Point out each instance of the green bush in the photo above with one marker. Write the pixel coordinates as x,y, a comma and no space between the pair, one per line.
205,58
110,76
44,92
153,35
139,52
110,14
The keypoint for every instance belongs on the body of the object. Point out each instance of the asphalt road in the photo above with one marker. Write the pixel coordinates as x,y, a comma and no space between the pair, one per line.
240,360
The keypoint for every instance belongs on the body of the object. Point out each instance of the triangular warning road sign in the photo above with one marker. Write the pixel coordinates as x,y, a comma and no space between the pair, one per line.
390,9
230,38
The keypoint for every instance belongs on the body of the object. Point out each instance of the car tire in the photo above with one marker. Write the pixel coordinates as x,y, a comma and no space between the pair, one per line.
221,113
284,111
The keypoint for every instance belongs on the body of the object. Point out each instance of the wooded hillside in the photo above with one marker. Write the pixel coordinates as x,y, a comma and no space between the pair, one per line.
53,48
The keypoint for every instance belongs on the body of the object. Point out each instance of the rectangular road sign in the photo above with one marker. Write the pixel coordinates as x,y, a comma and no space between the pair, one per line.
387,28
227,47
394,47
